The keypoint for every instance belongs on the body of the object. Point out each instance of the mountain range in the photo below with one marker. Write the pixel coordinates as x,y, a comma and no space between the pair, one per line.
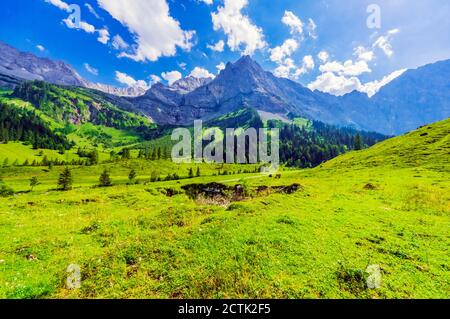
416,98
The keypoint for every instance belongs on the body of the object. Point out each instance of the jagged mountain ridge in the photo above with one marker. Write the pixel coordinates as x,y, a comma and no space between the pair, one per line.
16,67
416,98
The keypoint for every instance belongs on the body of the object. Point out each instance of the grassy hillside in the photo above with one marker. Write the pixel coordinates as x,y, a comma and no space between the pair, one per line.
385,206
428,146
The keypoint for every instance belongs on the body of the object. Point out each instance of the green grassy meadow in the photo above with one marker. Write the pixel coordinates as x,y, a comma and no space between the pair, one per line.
387,206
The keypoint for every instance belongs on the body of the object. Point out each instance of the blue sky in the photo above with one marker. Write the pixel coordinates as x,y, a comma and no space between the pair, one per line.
323,44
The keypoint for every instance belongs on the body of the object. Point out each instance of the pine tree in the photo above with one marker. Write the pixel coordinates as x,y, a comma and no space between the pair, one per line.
358,143
132,176
198,171
34,182
105,179
159,153
65,180
191,173
126,154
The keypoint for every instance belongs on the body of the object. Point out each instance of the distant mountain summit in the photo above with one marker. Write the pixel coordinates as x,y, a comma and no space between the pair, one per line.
27,66
16,66
417,97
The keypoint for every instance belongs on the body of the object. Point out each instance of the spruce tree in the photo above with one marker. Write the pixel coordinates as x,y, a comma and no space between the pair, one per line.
65,180
132,176
33,183
105,179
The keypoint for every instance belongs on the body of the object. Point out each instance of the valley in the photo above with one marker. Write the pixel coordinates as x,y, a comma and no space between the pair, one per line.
87,182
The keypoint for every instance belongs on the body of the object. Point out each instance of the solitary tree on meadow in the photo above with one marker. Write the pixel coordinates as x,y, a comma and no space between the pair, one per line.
105,179
34,182
65,180
132,176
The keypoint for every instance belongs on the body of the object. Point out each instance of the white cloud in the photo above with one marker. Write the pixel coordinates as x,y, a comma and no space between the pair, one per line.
155,79
157,33
86,27
312,28
171,77
348,68
293,22
218,47
323,56
92,11
208,2
60,4
201,73
307,65
284,70
364,54
90,69
242,34
130,81
371,88
384,42
103,36
335,84
40,47
119,43
221,66
182,65
280,53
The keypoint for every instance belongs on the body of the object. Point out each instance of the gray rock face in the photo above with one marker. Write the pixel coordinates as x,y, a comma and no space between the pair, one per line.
125,92
189,84
240,84
416,98
29,67
26,66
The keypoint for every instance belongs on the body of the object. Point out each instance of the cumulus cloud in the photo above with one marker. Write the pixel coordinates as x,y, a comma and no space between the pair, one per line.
293,22
218,47
59,4
157,33
130,81
364,54
285,69
307,65
171,77
201,73
119,43
242,34
208,2
90,69
280,53
40,47
323,56
348,68
384,42
335,84
103,36
86,27
221,66
155,79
